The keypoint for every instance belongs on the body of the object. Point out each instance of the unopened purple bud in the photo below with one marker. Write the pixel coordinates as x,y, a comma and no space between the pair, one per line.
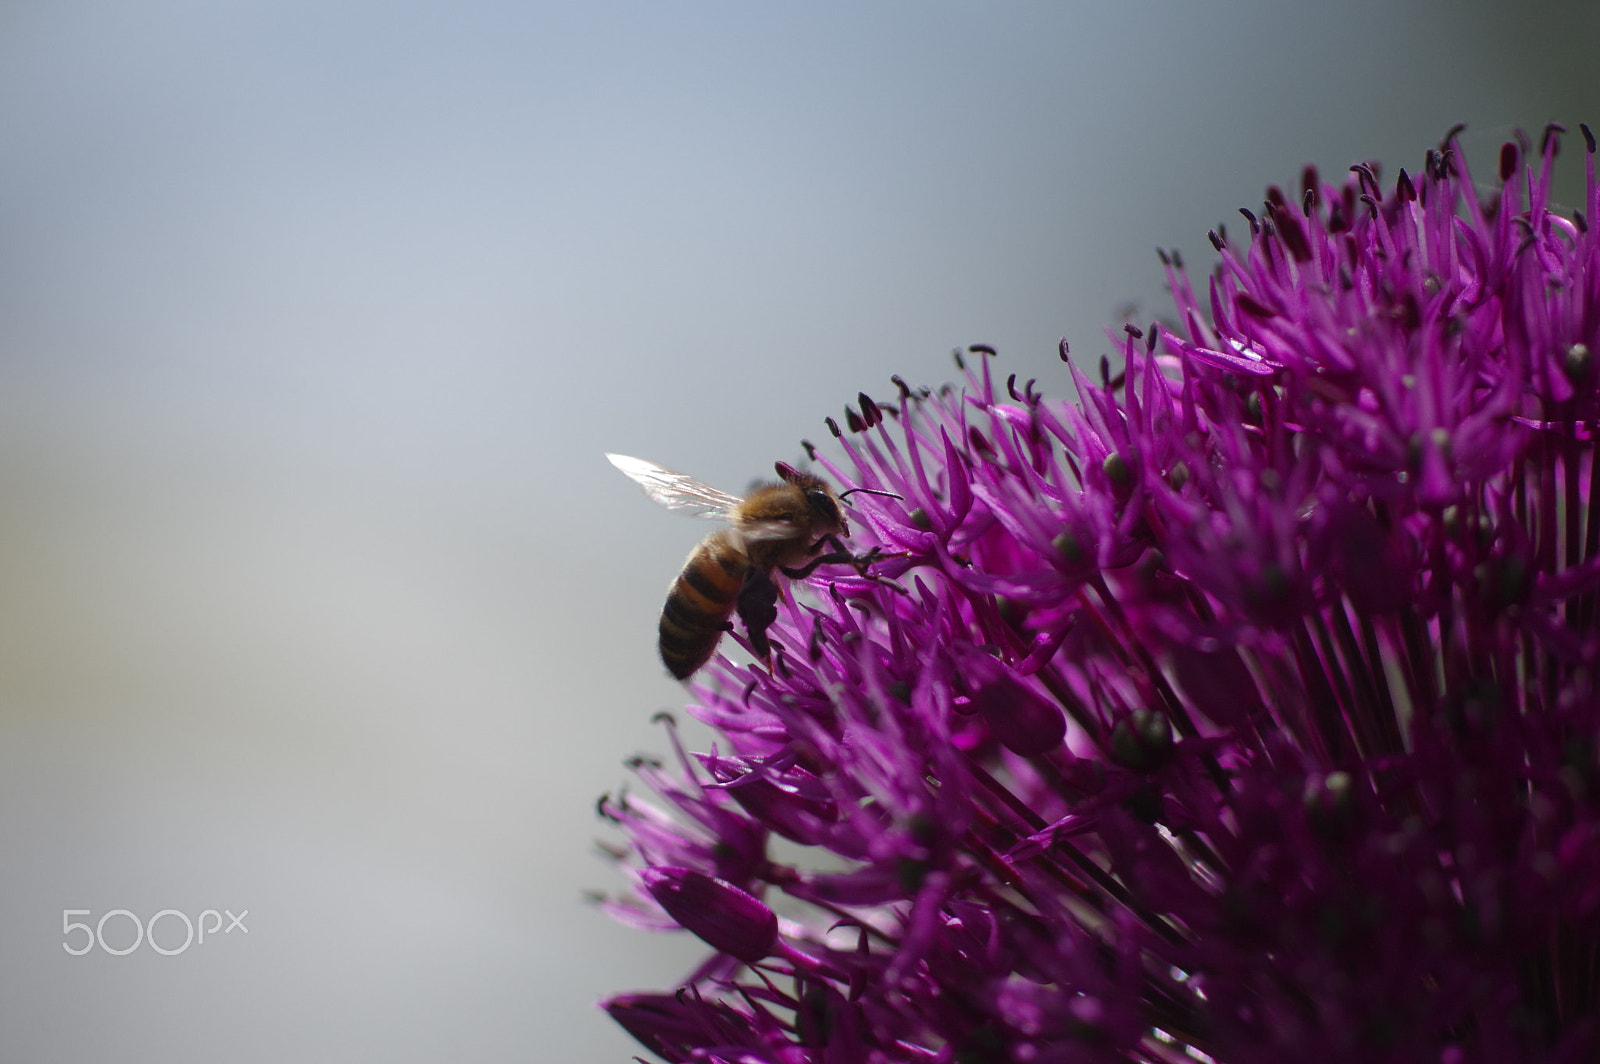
666,1024
725,917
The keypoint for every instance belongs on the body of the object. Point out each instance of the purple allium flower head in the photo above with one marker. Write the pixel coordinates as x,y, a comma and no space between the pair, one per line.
1244,710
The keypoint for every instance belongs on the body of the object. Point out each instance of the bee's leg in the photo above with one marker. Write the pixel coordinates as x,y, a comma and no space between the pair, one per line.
757,606
838,555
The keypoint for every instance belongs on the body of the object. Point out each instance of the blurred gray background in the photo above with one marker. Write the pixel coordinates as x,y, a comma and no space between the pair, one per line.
317,597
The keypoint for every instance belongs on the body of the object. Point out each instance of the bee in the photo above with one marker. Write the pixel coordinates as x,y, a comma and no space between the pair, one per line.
780,526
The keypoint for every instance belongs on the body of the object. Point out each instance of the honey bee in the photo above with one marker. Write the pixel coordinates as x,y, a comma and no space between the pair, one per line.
781,526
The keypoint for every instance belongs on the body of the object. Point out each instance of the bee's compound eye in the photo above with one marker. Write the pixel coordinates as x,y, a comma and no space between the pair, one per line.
822,503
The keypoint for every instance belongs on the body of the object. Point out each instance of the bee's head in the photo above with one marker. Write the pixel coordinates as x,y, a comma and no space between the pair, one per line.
822,505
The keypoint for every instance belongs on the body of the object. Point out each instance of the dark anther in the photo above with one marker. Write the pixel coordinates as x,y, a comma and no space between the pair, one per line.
1011,387
905,389
1162,255
1578,362
980,349
814,649
810,449
1310,180
1433,161
1105,372
1151,337
1404,190
1330,805
1116,470
1550,142
1142,741
1451,134
833,427
853,421
979,443
1275,197
1372,205
601,810
869,410
1216,241
1308,202
961,363
1063,351
1579,221
1133,330
1367,176
1177,258
1255,226
1508,161
1588,137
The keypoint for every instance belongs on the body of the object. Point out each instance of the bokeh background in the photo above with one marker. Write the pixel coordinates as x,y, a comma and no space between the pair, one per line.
317,597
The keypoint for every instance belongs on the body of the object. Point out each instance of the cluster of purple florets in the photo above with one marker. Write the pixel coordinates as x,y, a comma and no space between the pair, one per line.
1244,710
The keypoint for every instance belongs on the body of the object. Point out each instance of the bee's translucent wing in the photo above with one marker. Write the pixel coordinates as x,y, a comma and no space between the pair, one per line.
766,531
676,491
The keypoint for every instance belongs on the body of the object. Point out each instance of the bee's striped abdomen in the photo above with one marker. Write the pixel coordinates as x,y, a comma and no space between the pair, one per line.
701,601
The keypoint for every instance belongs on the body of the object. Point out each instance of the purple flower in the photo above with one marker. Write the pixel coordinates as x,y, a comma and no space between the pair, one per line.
1245,710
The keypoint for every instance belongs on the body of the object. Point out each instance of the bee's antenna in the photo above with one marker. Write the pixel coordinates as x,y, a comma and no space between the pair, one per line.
870,491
